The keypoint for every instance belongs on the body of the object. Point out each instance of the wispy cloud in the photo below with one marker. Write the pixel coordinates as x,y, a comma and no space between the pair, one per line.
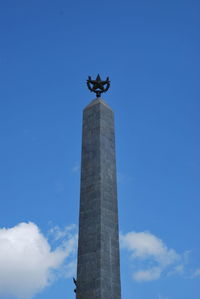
150,256
27,262
57,233
177,270
152,273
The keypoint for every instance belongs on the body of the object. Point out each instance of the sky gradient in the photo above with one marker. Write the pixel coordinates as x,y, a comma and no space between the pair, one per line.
150,51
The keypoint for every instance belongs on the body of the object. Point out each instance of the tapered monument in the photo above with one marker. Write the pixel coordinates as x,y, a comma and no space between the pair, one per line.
98,271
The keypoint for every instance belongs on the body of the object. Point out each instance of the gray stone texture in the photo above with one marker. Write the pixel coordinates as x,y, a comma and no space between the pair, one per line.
98,272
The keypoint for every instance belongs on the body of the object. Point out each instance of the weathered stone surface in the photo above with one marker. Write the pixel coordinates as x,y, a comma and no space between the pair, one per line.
98,272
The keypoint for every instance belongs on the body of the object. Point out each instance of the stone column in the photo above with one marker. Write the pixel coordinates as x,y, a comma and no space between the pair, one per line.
98,271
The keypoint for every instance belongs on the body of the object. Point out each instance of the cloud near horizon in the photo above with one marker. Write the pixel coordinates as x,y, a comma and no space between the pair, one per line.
150,256
27,262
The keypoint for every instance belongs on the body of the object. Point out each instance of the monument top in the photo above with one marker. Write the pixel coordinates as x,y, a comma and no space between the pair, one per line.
95,102
97,85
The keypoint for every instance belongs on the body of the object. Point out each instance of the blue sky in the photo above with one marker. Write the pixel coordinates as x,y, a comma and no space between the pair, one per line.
150,50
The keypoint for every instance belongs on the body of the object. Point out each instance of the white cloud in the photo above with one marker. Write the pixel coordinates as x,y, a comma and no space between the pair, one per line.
27,262
151,252
147,275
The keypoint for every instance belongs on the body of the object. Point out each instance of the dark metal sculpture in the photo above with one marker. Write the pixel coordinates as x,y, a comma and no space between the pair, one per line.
75,282
98,86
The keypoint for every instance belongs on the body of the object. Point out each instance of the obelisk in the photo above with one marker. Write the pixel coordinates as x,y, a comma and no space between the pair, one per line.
98,270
